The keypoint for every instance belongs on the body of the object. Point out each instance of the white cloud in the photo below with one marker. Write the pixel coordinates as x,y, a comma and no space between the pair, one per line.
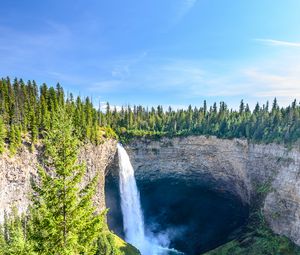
281,81
272,42
189,80
261,80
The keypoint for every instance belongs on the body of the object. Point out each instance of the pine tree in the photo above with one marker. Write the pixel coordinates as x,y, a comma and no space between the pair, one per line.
63,214
2,135
23,107
14,139
33,129
13,238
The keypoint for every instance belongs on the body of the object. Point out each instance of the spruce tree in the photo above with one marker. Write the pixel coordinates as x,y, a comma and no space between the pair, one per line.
63,215
34,129
13,236
2,135
13,140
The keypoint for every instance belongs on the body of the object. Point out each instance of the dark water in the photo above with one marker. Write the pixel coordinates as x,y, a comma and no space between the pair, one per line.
194,218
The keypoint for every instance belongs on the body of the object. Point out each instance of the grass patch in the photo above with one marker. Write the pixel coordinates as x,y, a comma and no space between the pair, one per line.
126,248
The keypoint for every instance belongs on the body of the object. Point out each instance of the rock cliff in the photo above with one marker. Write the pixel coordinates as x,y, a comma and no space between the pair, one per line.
16,172
232,166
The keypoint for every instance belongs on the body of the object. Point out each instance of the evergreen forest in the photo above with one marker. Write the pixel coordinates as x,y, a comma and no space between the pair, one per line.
27,111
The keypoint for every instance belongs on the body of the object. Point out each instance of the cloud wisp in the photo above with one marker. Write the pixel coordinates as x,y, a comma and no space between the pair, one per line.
190,80
278,43
184,7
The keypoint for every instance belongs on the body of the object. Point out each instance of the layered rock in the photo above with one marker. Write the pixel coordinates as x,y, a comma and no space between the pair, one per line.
16,172
232,166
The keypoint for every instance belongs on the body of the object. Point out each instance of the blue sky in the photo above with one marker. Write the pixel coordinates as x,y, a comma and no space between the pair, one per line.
170,52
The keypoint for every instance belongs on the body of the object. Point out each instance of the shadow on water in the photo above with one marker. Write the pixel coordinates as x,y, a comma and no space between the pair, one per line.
191,218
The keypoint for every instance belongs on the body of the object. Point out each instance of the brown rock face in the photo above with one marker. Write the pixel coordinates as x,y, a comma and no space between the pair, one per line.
15,174
232,166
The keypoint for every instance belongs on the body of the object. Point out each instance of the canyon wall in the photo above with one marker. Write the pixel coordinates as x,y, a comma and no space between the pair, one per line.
233,166
229,166
16,172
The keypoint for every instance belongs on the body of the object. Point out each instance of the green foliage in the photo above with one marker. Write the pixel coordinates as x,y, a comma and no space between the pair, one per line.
62,218
15,138
13,236
123,248
30,110
2,241
108,132
280,125
63,214
2,135
107,245
264,188
33,128
33,108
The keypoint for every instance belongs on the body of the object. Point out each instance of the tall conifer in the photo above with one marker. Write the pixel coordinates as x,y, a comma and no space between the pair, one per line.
63,214
2,135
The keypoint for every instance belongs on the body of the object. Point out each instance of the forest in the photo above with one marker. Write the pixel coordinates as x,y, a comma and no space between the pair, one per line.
27,110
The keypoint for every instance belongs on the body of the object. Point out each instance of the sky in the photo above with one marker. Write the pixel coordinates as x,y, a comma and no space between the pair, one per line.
150,52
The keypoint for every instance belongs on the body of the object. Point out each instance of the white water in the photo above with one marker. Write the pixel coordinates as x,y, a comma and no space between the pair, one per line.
133,220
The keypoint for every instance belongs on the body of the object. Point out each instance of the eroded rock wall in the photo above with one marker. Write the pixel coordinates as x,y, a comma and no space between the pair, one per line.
229,166
232,166
16,172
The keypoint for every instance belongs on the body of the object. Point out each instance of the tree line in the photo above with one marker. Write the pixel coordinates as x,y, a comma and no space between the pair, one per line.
26,111
266,123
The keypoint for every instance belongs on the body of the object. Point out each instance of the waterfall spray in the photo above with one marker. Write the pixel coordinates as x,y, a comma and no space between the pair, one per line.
133,220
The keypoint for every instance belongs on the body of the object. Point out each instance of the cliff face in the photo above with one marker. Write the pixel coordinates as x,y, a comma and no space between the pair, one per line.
16,172
232,166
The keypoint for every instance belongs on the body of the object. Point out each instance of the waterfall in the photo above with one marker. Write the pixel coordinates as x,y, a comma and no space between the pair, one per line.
130,202
133,219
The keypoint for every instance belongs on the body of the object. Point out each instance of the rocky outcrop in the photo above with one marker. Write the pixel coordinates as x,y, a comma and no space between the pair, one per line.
16,172
233,166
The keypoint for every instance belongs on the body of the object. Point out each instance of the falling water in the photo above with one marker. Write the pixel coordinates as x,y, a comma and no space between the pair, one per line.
132,213
130,201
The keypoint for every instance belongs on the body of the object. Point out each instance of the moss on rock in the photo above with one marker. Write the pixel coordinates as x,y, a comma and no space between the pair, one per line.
125,248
